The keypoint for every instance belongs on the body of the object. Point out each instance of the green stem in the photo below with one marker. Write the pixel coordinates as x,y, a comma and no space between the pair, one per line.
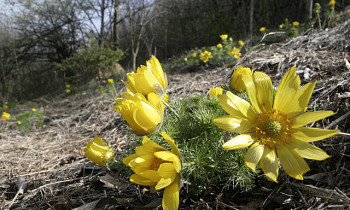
171,109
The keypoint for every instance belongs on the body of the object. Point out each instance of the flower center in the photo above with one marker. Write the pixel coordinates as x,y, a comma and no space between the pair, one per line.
156,163
273,126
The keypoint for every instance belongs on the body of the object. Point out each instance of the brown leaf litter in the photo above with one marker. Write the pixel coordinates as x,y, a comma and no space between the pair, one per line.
50,160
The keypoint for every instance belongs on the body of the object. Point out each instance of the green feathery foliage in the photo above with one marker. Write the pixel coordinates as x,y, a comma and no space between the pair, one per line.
205,162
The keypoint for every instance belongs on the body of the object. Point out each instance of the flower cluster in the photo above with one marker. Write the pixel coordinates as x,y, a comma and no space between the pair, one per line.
217,55
271,125
142,109
290,28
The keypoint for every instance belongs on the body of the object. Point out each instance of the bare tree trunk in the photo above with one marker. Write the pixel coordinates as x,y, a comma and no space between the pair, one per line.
309,4
116,25
136,46
101,39
251,19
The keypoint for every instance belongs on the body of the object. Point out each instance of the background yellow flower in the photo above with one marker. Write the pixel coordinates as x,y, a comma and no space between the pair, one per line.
224,36
215,91
262,29
5,116
236,81
241,43
205,56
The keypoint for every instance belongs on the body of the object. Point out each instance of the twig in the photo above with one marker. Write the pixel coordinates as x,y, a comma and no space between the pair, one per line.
53,183
335,122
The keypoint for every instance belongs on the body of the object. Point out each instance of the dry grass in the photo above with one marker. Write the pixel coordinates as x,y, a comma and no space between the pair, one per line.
51,162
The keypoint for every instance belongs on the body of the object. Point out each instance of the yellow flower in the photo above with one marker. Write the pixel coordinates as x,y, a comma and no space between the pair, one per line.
5,107
143,115
282,25
224,36
235,52
67,90
262,29
67,86
273,126
219,45
236,81
110,81
296,23
5,116
185,59
241,43
230,39
99,152
331,3
34,110
215,91
19,123
194,55
148,79
205,56
158,167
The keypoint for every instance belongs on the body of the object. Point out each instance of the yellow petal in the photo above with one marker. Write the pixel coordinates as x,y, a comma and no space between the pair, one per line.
287,89
129,158
171,143
307,150
300,100
147,118
169,156
129,87
166,170
264,91
312,134
269,164
238,142
233,124
253,155
150,174
171,196
292,163
157,71
310,117
145,81
145,160
164,182
242,105
252,92
228,105
141,180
